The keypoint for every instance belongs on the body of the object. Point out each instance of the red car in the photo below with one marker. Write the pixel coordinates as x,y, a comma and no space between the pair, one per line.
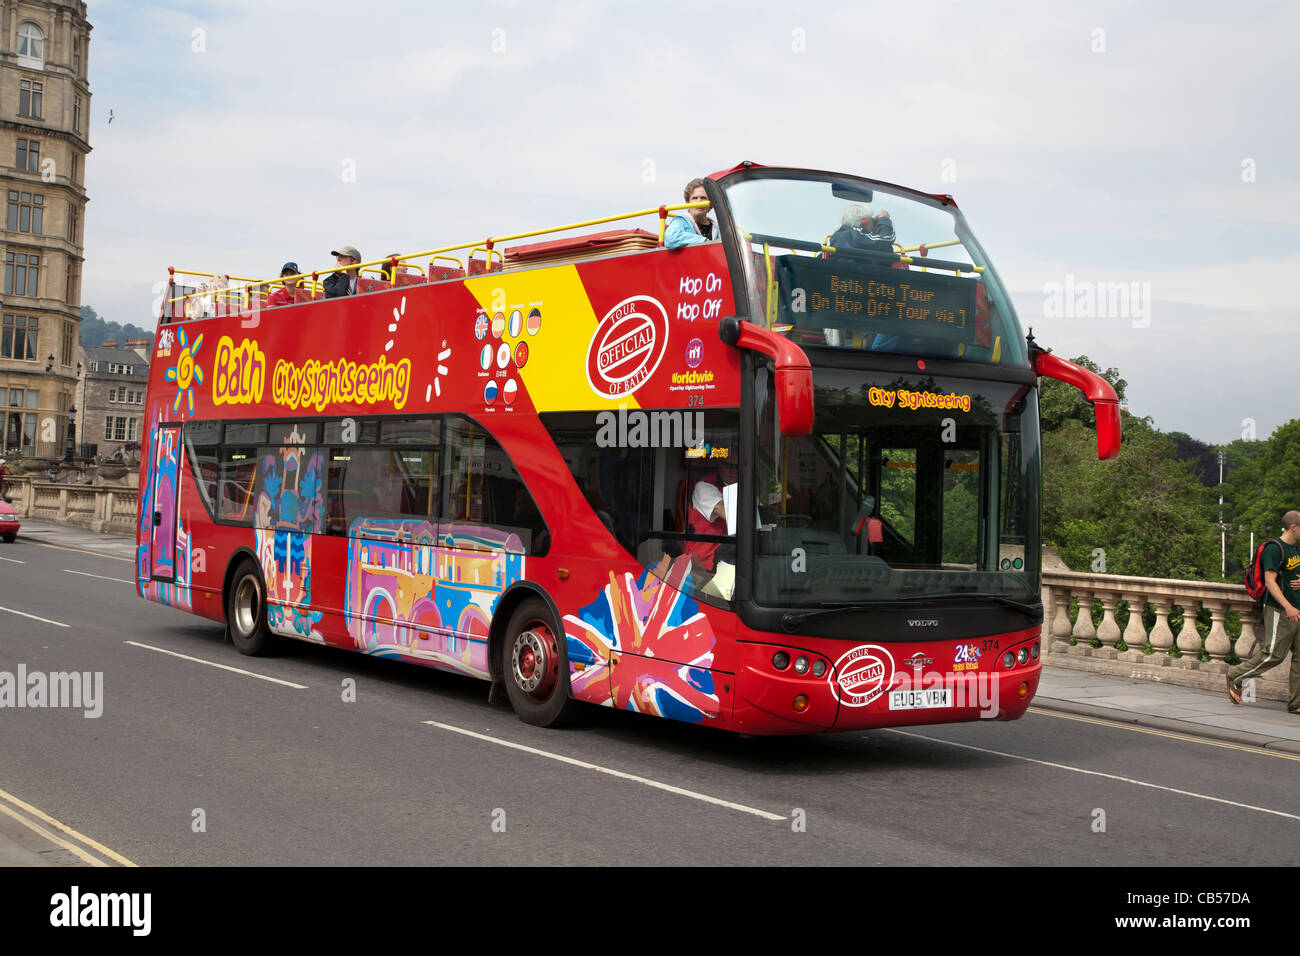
8,521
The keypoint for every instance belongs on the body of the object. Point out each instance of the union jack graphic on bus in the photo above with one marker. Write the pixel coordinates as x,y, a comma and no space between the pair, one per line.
644,645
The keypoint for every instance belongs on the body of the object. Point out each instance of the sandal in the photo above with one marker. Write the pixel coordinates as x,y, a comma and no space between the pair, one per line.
1234,694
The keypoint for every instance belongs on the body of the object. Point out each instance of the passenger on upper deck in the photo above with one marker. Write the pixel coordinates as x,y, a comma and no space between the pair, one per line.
285,294
693,229
860,228
342,283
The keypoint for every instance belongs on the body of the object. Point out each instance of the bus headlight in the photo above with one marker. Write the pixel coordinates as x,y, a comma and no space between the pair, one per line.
1023,656
1009,660
780,660
819,668
801,665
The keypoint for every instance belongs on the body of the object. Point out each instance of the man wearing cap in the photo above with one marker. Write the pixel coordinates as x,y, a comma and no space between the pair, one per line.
285,294
1281,617
343,283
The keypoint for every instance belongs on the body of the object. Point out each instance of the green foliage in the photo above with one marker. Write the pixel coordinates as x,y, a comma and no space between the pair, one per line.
95,330
1147,511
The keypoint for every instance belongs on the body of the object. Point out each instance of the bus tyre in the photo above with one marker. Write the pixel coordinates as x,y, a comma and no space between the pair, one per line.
535,667
246,611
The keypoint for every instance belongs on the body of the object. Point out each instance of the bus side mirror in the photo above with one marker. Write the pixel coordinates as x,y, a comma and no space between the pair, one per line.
794,387
1096,390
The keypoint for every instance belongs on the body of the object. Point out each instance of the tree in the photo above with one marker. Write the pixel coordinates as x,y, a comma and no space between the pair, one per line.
95,330
1145,512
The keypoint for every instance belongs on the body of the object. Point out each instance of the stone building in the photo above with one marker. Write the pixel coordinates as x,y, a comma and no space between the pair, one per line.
44,140
110,399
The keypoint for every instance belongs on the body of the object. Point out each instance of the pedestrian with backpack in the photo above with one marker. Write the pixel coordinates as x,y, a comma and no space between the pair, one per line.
1277,564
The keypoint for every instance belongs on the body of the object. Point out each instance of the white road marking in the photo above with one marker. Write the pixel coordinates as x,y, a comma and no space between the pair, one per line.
703,797
98,554
1098,773
224,667
45,620
101,576
13,560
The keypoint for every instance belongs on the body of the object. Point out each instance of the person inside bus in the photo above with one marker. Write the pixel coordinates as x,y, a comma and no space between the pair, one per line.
287,293
707,515
342,283
691,227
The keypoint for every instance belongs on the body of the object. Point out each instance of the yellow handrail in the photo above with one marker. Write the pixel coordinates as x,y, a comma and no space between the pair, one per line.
472,245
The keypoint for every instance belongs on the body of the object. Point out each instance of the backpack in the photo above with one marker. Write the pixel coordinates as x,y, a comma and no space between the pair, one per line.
1255,584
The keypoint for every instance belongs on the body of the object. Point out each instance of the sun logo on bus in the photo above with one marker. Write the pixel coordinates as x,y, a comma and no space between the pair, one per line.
186,372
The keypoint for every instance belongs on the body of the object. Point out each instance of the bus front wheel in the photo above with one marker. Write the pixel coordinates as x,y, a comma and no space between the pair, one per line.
246,612
535,667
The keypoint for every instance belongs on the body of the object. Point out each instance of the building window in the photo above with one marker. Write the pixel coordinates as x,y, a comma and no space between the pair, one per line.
29,98
76,57
94,366
29,155
76,165
31,46
18,340
119,429
130,428
76,113
108,428
74,214
19,431
66,350
22,273
26,212
72,294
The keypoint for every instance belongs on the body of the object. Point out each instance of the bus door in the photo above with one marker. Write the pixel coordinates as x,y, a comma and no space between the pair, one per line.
164,472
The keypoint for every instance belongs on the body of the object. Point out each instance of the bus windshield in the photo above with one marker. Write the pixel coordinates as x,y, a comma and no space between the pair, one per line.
909,485
839,262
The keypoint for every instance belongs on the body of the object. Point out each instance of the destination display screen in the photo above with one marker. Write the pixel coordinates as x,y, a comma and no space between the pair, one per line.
860,297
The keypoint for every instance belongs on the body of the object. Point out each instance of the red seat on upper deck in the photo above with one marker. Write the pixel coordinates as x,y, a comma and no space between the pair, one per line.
441,273
365,285
409,278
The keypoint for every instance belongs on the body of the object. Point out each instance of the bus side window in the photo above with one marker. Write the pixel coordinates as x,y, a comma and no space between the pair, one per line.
480,485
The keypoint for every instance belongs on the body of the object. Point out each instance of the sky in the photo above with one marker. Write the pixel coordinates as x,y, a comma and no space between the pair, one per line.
1088,144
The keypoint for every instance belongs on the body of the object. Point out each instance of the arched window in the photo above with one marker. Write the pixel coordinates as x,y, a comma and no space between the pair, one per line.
31,46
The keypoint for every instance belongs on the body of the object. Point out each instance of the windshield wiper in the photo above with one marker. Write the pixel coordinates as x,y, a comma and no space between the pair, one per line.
792,619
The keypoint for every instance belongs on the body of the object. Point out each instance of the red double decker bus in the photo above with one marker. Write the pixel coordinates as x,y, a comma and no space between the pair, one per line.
785,481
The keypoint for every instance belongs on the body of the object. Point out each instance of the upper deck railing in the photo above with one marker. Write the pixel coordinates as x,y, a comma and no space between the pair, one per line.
245,294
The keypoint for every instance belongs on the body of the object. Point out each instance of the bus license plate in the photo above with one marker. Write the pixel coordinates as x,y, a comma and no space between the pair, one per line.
920,699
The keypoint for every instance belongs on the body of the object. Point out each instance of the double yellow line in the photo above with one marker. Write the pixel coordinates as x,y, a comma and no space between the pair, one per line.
77,844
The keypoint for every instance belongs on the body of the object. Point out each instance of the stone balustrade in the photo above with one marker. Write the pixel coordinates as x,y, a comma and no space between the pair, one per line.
1148,655
101,508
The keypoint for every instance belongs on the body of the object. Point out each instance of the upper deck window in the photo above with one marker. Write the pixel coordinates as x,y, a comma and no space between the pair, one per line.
844,263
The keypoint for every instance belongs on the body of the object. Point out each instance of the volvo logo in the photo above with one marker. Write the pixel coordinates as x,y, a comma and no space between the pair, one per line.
918,660
923,622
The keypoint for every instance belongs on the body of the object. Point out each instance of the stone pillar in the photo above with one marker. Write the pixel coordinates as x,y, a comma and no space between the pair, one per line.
1189,638
1084,631
1135,632
1217,644
1246,642
1161,637
1061,618
1108,630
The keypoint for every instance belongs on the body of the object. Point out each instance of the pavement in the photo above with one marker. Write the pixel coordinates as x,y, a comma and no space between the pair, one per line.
1160,707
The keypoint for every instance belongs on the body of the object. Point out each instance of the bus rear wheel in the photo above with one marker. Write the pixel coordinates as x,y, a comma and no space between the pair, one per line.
246,612
535,667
